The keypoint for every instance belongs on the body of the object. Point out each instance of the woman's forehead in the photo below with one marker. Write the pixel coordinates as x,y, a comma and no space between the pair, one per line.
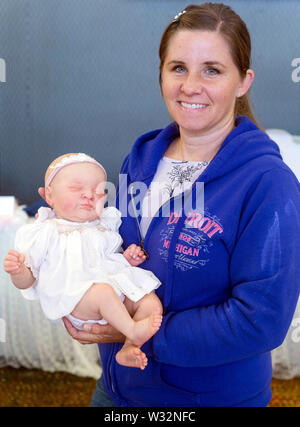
198,42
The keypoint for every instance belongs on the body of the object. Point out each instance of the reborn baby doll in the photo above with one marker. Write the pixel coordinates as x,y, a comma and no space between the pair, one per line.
69,259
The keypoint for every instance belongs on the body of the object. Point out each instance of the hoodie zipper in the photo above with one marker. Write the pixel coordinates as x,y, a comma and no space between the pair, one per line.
142,238
140,233
109,370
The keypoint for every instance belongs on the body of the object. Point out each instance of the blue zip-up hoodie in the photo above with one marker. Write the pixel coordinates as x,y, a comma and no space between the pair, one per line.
230,276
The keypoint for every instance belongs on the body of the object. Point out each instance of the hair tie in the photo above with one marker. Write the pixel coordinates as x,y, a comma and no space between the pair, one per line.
176,17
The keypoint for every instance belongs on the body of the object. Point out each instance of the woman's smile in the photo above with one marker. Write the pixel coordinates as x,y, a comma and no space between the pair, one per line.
192,107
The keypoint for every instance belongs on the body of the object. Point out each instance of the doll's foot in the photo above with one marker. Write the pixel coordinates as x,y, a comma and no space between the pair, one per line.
132,356
144,329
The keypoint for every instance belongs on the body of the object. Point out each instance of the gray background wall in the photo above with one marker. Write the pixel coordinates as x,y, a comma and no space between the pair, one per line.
82,75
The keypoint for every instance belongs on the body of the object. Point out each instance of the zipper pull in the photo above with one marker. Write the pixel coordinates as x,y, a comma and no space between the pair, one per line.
144,250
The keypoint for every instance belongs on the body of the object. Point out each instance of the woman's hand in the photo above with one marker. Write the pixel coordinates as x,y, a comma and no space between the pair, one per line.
94,333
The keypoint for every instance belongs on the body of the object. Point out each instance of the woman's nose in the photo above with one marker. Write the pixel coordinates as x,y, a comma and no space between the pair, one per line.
192,84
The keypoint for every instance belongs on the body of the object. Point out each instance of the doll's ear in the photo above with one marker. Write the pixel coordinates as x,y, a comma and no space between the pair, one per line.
41,191
48,196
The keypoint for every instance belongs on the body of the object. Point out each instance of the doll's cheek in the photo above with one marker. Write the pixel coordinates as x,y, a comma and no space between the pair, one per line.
67,205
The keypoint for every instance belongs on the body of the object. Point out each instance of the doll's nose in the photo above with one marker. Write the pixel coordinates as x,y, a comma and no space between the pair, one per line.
88,194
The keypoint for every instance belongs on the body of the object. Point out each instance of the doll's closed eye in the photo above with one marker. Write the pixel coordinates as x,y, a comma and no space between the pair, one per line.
75,187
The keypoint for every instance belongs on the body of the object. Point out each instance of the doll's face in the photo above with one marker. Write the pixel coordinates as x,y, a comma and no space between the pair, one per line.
76,191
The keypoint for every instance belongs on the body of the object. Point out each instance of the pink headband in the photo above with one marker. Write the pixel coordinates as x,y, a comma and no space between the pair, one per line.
69,160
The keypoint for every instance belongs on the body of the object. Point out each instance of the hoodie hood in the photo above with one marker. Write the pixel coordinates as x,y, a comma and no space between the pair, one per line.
245,143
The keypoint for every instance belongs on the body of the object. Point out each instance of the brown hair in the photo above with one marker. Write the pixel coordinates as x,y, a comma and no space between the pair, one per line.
220,18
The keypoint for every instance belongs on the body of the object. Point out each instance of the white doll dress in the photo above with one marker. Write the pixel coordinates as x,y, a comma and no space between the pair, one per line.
66,258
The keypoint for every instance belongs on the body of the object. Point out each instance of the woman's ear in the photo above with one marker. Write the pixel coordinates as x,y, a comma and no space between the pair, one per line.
246,83
48,195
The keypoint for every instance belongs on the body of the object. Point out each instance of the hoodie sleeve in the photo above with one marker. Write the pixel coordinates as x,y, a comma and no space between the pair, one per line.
265,276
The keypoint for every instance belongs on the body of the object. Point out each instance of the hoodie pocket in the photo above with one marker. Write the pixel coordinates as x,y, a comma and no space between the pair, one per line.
172,394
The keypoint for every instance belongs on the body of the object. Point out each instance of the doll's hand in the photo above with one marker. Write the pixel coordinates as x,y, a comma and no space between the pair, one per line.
14,262
134,255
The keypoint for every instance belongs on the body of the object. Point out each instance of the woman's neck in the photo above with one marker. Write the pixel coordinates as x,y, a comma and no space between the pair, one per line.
190,147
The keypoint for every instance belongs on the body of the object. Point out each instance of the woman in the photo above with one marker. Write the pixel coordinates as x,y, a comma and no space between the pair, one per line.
230,268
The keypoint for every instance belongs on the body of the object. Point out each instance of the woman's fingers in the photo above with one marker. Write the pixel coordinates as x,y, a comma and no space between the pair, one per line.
94,333
91,337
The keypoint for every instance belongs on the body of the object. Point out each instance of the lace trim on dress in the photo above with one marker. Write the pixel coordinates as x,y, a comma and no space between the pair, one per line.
70,228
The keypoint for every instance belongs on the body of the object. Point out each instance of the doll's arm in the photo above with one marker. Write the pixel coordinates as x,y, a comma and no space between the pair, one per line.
134,255
21,275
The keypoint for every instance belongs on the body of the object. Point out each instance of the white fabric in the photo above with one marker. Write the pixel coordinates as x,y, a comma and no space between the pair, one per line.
78,324
172,178
67,257
27,338
286,358
289,148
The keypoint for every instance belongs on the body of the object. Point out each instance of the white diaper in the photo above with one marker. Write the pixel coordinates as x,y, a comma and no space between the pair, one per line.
78,323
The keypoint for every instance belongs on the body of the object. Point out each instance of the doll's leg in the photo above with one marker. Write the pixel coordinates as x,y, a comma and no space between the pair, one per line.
102,301
130,354
143,308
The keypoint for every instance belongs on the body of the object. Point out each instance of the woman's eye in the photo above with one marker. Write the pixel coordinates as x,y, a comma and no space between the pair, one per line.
179,69
212,71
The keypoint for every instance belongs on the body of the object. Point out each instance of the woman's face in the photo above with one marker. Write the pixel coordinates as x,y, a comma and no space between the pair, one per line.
200,82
